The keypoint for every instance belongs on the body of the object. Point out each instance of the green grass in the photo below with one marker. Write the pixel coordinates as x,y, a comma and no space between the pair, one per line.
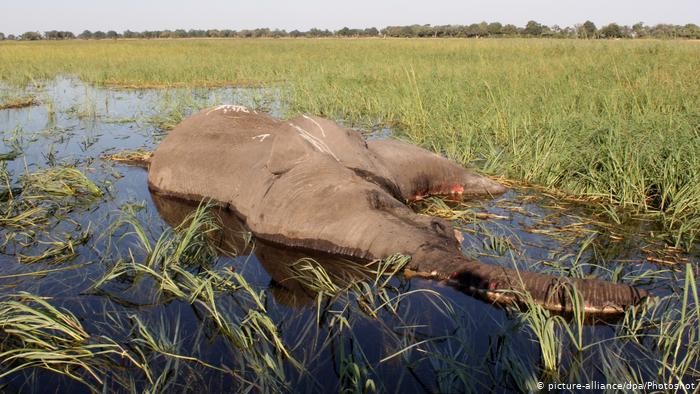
616,121
613,123
56,182
31,210
265,353
177,261
36,334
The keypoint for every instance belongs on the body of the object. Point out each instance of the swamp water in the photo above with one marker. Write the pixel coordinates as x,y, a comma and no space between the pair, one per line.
157,310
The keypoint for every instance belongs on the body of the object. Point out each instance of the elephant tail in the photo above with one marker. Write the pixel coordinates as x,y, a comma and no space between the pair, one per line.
508,286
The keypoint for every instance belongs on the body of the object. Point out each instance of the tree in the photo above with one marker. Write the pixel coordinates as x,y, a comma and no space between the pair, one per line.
626,31
482,29
2,36
690,30
640,30
509,30
277,33
11,37
546,31
471,30
31,36
663,30
494,28
371,32
568,32
589,30
261,32
314,32
612,30
391,31
557,31
196,33
533,29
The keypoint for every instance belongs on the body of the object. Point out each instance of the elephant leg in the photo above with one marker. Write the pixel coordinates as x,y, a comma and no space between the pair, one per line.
419,173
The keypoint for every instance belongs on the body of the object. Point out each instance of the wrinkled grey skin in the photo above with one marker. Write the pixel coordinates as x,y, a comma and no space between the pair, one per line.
232,238
310,183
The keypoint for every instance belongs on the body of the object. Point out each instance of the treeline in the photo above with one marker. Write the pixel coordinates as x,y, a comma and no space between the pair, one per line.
586,30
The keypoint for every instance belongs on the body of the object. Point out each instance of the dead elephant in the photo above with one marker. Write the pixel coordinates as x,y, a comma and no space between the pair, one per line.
310,183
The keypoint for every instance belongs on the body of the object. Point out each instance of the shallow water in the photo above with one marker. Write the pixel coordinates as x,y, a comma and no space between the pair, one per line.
76,124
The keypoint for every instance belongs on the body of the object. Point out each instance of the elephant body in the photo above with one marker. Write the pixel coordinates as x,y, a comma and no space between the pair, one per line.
310,183
231,238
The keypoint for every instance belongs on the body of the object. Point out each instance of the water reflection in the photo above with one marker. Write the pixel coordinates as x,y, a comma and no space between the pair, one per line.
235,240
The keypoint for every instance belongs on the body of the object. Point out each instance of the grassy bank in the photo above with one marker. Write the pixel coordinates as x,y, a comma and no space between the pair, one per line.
618,121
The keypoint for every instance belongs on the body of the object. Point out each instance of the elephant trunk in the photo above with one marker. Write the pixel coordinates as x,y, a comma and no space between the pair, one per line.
507,286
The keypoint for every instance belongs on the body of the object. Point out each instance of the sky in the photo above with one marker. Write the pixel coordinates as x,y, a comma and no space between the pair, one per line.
138,15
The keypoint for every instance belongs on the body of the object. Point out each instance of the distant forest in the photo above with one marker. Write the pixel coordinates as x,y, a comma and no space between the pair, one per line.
586,30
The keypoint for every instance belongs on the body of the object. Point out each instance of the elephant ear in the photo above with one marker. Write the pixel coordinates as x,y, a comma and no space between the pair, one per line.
287,151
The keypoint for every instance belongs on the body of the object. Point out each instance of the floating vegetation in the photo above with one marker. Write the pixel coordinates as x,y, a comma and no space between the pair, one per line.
21,214
59,182
434,206
11,155
35,218
135,157
41,273
17,102
13,140
37,334
120,120
167,121
56,251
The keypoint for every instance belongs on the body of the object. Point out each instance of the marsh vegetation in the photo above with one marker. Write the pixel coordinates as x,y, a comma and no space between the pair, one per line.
101,290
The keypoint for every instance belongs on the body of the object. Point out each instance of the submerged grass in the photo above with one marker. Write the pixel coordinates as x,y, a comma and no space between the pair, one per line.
179,264
657,340
266,352
59,181
56,251
34,208
21,215
36,334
